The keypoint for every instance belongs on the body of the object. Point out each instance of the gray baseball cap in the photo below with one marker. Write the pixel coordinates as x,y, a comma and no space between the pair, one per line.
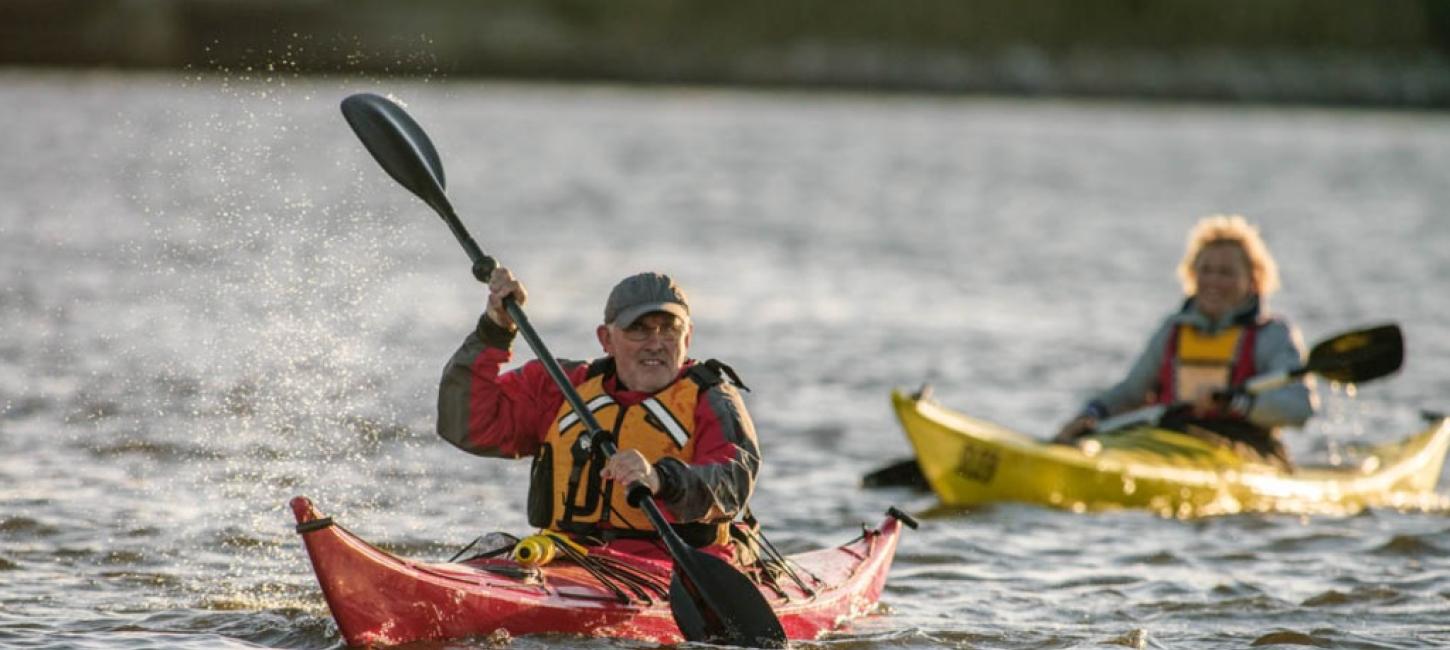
644,293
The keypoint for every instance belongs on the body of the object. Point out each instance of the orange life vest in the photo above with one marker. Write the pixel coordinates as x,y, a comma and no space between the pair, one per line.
566,493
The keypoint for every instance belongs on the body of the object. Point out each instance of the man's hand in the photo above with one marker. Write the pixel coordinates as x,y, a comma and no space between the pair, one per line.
501,284
627,466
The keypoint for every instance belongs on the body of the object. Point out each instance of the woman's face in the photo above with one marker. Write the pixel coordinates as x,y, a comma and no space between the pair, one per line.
1225,279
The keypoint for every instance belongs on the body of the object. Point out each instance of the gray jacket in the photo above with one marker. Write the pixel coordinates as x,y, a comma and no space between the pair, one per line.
1277,347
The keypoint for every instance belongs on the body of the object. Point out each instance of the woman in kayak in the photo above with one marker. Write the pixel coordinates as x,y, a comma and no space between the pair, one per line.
1220,337
680,425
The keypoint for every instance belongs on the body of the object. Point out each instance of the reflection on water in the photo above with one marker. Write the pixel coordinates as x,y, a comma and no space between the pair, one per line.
213,301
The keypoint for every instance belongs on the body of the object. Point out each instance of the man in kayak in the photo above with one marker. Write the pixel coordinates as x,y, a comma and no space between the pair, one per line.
680,425
1220,337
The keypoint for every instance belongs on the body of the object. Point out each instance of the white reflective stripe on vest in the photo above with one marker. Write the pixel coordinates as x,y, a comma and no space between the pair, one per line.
672,426
594,405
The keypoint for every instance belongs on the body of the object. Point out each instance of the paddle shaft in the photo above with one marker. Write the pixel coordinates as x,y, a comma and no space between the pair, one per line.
1154,413
1357,356
483,266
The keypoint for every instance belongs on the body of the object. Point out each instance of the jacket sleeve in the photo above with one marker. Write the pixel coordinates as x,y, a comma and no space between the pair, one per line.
487,413
717,483
1279,347
1132,391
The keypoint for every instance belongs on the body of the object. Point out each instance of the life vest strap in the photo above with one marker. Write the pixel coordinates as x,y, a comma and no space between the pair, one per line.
594,405
661,416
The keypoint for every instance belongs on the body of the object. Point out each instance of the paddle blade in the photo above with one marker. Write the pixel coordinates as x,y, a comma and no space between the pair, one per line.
398,144
902,473
1359,356
715,603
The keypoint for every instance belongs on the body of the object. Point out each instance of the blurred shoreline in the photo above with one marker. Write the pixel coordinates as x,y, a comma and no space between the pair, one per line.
1387,53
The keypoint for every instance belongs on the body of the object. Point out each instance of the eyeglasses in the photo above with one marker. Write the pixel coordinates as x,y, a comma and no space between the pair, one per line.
639,331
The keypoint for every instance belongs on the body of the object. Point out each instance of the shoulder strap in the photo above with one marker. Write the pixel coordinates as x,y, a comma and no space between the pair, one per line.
713,371
1166,389
1244,367
600,366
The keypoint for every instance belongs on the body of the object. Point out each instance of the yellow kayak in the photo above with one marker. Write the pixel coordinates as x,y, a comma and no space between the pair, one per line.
968,461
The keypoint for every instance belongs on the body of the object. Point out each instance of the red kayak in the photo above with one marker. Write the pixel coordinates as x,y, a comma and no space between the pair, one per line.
380,599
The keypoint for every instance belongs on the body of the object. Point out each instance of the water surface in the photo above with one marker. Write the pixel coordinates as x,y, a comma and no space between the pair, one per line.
212,301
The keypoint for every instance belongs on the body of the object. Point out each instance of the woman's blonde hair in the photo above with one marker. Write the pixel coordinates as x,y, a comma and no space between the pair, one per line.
1230,229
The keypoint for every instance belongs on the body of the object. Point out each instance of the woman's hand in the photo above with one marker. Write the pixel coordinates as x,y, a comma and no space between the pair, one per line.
1076,428
1207,402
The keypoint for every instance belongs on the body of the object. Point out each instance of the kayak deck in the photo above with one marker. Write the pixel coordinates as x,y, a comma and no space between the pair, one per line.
378,598
968,461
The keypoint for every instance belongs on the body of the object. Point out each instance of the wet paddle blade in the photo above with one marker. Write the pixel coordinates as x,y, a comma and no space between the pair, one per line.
902,473
718,604
398,144
1359,356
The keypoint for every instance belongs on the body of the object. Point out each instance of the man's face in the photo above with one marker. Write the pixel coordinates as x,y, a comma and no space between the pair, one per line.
647,354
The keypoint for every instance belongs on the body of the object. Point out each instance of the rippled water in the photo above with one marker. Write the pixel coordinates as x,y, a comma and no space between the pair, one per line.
211,300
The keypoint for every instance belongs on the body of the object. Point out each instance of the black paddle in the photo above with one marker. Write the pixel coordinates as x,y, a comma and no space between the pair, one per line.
901,473
712,602
1350,358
